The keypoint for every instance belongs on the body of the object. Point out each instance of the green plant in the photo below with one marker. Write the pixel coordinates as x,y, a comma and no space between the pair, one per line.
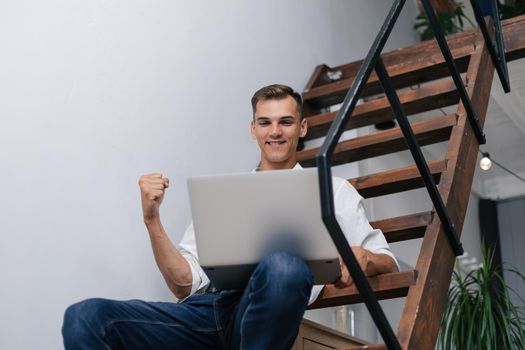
450,22
479,313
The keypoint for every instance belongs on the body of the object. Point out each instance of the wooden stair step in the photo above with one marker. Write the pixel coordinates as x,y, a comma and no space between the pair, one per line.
411,65
431,68
385,286
384,142
406,66
404,227
395,180
425,98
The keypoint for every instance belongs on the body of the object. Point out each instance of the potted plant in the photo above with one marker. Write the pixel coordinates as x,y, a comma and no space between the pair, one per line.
449,14
480,313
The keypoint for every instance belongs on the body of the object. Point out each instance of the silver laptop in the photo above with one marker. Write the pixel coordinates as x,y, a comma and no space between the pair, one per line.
239,218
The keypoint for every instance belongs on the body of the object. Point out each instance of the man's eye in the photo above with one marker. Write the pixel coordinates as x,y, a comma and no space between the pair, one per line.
287,122
262,122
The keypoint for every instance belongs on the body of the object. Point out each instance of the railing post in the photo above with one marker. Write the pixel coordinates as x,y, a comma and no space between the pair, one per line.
422,166
498,58
323,159
442,42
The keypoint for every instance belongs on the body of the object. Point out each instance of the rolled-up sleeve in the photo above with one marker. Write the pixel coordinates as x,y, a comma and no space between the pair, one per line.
352,218
188,249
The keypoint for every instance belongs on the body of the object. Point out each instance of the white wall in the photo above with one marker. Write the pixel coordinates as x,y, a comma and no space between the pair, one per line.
95,93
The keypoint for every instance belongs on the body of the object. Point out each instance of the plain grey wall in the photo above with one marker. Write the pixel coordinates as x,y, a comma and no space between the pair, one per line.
95,93
511,228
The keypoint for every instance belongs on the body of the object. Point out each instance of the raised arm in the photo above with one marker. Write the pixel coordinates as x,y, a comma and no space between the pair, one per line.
173,266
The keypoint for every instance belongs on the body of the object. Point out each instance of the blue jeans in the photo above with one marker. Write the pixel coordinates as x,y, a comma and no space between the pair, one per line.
266,315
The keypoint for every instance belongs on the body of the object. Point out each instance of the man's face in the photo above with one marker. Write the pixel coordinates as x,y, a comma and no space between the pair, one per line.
277,127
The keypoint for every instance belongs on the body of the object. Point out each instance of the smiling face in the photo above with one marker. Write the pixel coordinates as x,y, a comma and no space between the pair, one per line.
277,127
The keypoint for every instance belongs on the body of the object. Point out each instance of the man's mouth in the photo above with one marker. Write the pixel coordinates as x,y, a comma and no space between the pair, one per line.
275,142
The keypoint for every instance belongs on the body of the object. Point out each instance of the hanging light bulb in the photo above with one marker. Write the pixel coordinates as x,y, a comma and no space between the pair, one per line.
485,163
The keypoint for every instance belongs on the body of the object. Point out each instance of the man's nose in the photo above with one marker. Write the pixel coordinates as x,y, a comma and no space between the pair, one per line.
275,130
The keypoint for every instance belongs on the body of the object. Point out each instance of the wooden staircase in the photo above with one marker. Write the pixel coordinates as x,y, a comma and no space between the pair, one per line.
420,75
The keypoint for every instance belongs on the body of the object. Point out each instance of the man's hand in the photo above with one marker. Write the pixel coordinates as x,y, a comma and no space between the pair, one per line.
173,266
152,188
362,258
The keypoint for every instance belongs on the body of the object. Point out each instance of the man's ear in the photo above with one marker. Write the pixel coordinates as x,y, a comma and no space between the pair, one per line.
304,127
252,129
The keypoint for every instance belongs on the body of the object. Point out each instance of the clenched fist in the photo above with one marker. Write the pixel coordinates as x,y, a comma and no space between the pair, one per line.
152,187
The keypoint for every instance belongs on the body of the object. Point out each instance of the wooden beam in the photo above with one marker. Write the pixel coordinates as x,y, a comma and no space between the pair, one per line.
420,323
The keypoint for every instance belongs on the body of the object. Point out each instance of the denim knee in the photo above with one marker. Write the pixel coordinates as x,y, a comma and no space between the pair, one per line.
85,319
286,272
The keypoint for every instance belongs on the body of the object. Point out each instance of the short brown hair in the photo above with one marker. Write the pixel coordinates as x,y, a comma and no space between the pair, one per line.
277,92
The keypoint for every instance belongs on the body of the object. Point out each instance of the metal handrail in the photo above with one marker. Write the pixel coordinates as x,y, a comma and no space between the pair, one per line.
324,156
498,58
323,159
421,164
442,42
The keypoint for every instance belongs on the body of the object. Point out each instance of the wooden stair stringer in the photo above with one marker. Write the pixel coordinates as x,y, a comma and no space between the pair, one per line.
420,321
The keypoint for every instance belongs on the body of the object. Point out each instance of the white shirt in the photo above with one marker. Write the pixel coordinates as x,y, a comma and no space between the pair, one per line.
350,215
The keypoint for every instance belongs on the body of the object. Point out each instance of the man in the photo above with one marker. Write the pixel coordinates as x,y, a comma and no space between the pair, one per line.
267,314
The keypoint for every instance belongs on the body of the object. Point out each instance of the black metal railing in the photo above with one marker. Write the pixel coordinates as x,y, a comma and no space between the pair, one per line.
497,51
323,157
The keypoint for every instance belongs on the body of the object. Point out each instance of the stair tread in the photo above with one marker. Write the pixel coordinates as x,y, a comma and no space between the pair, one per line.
426,98
420,67
384,142
404,227
385,286
395,180
335,92
416,328
413,64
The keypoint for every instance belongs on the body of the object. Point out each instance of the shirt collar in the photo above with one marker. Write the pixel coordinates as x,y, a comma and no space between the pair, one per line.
297,166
